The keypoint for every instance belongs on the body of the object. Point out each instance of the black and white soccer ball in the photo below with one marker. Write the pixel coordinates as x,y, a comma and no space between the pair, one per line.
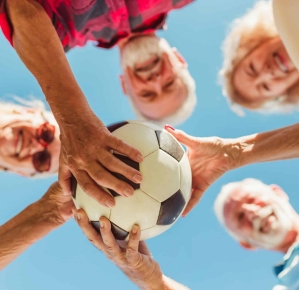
160,199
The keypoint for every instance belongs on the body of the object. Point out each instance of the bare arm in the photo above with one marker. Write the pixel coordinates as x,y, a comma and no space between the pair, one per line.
33,223
86,143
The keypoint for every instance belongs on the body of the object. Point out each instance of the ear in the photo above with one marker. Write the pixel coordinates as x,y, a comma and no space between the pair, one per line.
246,246
279,191
180,57
123,84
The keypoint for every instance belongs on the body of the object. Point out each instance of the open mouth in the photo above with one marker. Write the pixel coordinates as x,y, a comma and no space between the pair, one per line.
280,63
19,144
263,222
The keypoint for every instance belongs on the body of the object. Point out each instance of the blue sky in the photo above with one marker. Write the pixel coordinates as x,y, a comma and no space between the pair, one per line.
196,251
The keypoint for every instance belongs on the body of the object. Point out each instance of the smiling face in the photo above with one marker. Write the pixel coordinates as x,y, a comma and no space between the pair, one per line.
265,73
260,217
151,76
19,144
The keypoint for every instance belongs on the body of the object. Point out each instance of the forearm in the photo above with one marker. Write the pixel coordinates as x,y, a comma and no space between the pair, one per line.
40,49
23,230
269,146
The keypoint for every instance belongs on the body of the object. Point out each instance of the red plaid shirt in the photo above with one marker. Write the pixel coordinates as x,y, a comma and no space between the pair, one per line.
104,21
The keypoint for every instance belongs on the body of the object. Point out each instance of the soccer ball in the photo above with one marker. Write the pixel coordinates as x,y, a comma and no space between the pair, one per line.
164,192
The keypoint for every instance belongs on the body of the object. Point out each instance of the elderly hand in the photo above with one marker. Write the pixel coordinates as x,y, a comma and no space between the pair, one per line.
86,146
134,260
57,205
209,159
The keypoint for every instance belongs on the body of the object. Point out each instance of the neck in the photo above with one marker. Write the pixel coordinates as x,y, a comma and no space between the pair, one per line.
291,238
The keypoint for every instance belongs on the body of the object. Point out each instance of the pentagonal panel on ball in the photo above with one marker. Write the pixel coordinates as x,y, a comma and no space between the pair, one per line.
138,136
170,145
161,175
138,209
93,209
186,178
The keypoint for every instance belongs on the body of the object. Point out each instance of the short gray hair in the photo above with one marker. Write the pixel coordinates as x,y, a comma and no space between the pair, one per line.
245,34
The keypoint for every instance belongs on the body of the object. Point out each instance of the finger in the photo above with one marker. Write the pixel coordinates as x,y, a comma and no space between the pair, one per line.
93,190
64,175
180,135
104,178
132,253
117,165
125,149
110,243
195,197
92,235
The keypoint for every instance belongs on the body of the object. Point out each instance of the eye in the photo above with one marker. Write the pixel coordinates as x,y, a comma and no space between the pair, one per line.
146,94
169,84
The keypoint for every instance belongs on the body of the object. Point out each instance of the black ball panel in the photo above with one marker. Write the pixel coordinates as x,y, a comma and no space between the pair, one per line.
115,126
118,232
129,162
170,145
171,209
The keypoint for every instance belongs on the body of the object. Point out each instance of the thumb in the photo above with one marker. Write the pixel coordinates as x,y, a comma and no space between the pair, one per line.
181,136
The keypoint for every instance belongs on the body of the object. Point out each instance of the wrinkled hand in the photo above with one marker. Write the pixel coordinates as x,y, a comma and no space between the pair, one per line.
86,146
209,158
58,205
134,260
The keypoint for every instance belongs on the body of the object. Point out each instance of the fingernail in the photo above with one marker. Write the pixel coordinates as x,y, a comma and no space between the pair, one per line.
110,203
134,229
78,216
67,193
139,158
102,225
129,192
169,127
137,178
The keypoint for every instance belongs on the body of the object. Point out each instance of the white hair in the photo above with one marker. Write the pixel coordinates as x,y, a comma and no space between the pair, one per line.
8,108
187,108
226,190
245,34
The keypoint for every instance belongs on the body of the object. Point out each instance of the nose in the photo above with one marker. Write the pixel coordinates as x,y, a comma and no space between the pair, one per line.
155,82
35,146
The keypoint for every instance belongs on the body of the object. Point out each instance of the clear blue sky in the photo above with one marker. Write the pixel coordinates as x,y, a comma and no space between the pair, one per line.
196,251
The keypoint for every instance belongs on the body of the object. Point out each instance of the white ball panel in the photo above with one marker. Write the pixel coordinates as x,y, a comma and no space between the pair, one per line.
161,175
138,136
186,178
153,232
93,209
146,124
140,209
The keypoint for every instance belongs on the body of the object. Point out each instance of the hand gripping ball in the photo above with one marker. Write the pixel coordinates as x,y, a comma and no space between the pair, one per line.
164,192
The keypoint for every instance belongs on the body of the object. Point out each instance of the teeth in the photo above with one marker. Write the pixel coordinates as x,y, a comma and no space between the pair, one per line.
280,64
20,143
260,221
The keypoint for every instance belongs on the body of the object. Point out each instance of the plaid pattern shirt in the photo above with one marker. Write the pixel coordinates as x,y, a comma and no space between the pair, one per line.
103,21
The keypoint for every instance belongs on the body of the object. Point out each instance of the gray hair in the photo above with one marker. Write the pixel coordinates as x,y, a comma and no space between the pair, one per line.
245,34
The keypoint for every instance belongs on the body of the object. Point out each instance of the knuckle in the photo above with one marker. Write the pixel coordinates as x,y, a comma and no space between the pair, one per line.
87,187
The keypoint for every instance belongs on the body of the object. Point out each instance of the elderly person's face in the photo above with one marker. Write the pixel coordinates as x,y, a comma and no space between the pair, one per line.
261,217
29,145
267,72
151,76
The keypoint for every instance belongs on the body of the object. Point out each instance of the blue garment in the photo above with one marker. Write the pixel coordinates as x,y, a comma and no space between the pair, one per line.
288,270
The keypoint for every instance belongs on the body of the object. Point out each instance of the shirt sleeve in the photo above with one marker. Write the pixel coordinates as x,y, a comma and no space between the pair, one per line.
4,22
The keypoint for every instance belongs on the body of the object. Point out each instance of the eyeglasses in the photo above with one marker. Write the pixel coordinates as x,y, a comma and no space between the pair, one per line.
44,135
